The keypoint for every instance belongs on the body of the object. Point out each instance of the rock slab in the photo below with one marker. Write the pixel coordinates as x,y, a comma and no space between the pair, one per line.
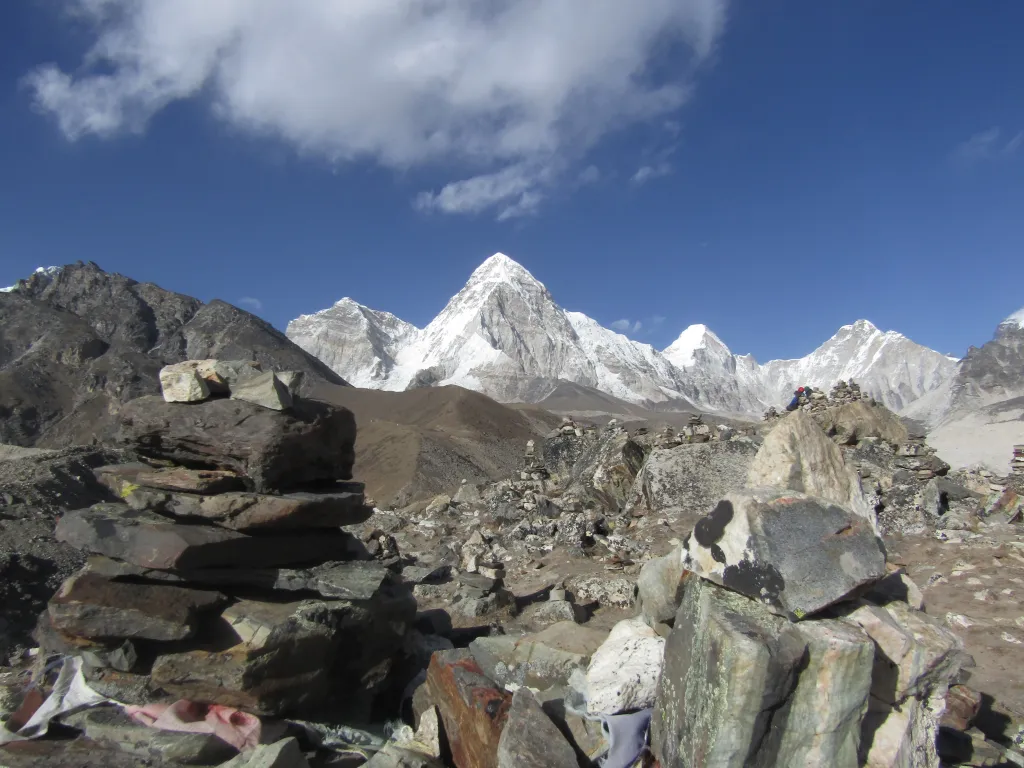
764,544
148,540
311,443
90,605
241,511
123,478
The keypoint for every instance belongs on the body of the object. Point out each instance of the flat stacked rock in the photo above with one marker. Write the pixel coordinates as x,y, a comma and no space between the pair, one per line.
1017,464
224,575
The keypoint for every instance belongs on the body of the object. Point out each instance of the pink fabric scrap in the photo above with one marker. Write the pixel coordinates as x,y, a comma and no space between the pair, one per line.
239,729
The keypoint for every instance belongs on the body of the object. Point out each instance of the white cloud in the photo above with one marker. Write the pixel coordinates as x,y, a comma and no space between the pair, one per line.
988,145
627,326
658,320
250,303
511,88
650,172
515,188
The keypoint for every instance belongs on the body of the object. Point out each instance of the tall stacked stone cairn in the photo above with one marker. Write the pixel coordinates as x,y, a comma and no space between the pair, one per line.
793,642
223,575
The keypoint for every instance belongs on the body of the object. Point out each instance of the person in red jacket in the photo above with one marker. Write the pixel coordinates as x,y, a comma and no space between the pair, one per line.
795,402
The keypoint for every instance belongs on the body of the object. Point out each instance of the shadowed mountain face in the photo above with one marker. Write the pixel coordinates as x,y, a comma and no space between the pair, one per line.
77,342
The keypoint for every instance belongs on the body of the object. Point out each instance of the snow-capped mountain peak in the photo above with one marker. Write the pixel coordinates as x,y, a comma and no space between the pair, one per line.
1016,319
682,352
349,336
499,268
504,334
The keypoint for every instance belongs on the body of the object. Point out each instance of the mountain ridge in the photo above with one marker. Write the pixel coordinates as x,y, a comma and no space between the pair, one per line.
504,334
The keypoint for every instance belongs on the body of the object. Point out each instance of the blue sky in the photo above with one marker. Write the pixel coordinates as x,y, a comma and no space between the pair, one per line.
773,170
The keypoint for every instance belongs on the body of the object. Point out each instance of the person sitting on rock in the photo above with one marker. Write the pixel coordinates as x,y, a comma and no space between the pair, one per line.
795,402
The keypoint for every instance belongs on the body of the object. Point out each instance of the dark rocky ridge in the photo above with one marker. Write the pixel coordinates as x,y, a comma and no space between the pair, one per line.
992,371
76,344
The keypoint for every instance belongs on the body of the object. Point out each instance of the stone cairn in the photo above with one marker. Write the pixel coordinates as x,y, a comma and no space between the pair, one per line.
814,400
696,431
223,576
844,392
667,438
534,468
1017,464
916,456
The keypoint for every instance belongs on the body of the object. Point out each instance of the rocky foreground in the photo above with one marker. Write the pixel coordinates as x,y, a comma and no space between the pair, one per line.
217,590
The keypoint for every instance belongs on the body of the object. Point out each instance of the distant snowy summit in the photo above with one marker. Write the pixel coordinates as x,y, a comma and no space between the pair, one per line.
503,334
43,272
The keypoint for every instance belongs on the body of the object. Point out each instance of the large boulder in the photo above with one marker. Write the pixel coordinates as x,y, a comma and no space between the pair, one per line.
606,470
795,553
623,672
850,423
530,739
916,658
311,443
798,456
743,687
473,709
680,483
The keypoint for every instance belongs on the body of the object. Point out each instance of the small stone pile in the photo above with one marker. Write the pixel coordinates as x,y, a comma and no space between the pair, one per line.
224,575
667,438
916,456
772,413
844,392
568,427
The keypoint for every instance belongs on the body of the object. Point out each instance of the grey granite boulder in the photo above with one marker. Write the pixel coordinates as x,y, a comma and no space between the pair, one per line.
798,456
742,687
110,726
265,390
312,442
182,385
729,663
795,553
660,587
